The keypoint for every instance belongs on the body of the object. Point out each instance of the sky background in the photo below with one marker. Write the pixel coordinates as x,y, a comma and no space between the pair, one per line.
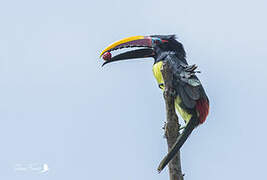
59,107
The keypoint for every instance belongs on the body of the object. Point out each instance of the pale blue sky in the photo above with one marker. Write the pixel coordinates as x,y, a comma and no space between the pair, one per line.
58,106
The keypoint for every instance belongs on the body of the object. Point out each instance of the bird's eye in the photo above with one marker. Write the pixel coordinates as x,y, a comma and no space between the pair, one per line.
157,41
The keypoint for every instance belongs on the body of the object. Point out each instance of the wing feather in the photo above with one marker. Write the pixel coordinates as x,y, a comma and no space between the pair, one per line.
187,101
192,91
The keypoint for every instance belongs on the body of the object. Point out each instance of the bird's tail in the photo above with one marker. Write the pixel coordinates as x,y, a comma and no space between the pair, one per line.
178,144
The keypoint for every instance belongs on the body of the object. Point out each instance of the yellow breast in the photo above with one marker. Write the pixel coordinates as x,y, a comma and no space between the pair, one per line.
157,73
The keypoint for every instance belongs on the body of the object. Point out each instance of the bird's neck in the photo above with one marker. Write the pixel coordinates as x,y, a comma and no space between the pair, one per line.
161,55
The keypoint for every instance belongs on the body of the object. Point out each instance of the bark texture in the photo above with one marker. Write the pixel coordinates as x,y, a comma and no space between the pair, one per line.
172,124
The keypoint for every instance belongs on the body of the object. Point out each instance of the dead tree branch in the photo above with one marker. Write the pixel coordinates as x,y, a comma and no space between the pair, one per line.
172,124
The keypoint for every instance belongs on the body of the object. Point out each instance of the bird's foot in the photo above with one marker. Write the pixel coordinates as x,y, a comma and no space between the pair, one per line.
173,93
181,128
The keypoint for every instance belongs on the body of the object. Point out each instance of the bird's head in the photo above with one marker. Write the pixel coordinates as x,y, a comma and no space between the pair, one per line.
147,46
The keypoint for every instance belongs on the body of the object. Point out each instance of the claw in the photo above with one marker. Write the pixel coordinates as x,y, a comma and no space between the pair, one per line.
181,128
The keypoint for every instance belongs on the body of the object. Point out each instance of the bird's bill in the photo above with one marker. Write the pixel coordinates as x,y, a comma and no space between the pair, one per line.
139,53
130,42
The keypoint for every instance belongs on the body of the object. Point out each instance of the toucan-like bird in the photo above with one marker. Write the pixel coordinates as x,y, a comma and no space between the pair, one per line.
191,100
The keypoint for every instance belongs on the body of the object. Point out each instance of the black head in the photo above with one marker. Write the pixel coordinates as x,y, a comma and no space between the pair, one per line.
167,43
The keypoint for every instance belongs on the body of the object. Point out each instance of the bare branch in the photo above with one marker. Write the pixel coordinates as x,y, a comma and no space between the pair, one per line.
172,125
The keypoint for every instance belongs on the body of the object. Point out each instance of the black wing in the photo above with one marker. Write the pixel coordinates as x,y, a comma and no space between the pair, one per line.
186,83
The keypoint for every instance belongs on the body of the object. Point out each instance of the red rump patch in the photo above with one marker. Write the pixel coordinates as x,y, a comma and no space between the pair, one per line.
202,107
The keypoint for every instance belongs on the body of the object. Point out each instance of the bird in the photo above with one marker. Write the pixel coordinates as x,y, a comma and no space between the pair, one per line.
191,100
